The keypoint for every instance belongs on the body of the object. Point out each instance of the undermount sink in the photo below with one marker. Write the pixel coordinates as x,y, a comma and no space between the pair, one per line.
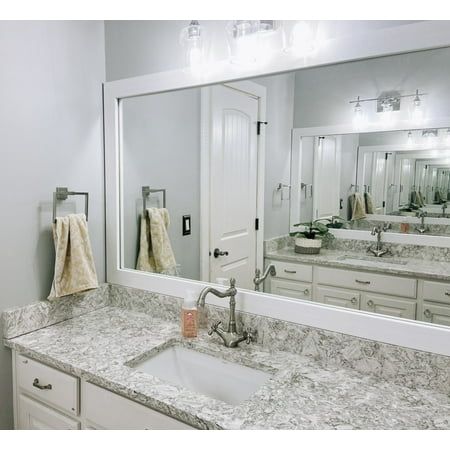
199,372
372,260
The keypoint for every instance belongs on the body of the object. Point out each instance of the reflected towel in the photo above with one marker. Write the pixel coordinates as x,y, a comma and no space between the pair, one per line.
368,203
74,262
155,251
358,206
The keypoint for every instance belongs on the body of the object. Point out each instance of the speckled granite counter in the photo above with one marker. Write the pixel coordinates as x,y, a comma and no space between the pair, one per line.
418,268
301,394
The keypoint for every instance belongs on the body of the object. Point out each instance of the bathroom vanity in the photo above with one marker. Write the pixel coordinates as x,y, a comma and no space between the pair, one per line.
94,371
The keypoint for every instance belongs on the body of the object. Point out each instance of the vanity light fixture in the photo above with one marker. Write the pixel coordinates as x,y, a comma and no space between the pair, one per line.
192,38
358,117
303,39
410,139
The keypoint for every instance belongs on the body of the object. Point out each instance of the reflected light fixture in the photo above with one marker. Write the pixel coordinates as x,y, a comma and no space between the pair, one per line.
410,139
358,115
303,39
417,110
192,38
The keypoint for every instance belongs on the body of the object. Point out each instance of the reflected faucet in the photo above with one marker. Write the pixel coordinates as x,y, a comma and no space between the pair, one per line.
230,336
422,228
444,207
258,280
378,250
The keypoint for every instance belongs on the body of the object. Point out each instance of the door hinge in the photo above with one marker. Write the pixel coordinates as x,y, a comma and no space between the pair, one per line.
258,126
384,204
256,224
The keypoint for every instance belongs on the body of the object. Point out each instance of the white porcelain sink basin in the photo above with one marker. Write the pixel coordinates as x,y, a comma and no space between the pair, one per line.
219,379
372,261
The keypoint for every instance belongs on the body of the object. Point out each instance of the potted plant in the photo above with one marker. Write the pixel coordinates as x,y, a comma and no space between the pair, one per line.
308,239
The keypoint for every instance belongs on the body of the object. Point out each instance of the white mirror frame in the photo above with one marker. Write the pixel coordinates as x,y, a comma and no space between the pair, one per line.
407,333
391,237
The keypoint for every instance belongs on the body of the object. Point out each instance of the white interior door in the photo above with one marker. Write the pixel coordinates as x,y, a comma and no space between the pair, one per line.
233,185
327,174
378,182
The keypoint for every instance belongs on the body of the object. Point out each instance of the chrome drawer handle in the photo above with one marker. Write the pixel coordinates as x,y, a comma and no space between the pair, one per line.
354,300
427,313
40,386
362,282
290,271
370,304
306,291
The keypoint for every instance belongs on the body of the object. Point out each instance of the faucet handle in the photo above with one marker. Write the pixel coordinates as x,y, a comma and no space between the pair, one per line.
250,335
214,327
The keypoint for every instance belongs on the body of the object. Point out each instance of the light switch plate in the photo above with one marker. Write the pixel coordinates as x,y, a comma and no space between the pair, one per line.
186,225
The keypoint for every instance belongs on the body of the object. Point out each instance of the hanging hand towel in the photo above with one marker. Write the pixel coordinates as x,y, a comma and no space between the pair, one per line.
74,263
358,206
368,202
155,251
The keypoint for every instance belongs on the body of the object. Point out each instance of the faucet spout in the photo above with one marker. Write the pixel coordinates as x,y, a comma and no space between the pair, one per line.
258,280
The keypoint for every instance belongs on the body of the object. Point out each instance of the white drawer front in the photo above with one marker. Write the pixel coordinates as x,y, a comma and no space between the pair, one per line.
104,409
389,306
293,289
48,384
371,282
34,415
435,291
337,297
435,313
293,271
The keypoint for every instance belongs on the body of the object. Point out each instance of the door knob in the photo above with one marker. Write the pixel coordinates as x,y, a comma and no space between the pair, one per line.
218,252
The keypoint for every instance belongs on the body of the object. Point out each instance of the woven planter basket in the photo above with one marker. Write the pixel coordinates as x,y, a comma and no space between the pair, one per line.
307,246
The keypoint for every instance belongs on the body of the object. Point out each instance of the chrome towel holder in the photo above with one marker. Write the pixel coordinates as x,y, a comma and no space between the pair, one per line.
146,191
62,193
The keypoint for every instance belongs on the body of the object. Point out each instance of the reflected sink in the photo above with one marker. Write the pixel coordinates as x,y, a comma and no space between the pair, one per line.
372,261
214,377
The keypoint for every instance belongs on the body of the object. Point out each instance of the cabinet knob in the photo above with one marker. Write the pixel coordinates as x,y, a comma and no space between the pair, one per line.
427,313
370,304
306,291
354,300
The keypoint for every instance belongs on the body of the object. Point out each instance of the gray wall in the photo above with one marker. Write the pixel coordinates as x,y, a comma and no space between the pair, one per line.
51,121
322,94
161,136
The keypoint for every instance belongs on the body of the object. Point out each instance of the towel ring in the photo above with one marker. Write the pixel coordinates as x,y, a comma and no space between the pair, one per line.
62,193
146,191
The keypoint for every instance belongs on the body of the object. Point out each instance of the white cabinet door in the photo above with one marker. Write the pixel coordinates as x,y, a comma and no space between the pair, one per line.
36,416
337,297
292,289
389,306
439,314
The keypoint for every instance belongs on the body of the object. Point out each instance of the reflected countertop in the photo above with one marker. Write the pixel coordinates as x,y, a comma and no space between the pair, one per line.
412,267
301,393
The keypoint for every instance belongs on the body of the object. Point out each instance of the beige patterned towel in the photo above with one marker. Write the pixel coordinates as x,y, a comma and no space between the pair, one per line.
155,251
358,206
74,263
368,202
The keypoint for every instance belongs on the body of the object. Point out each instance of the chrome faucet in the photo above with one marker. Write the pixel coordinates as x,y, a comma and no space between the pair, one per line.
422,228
378,250
230,336
270,270
444,207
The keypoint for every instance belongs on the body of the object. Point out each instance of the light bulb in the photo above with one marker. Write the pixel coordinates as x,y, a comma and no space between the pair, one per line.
243,41
417,110
303,39
359,119
410,139
193,41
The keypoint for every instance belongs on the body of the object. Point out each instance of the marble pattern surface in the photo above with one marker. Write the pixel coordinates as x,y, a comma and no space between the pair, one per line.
301,393
413,267
17,321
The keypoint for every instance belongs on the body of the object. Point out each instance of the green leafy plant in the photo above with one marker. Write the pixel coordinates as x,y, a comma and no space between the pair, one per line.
334,222
310,230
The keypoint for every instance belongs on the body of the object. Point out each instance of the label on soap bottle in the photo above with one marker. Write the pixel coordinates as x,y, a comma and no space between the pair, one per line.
189,323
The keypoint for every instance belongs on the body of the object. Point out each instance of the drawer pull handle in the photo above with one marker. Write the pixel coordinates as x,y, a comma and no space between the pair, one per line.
427,313
306,291
290,271
40,386
362,282
370,304
447,294
354,300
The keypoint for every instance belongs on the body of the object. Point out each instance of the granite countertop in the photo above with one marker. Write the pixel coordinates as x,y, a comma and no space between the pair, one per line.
301,393
411,267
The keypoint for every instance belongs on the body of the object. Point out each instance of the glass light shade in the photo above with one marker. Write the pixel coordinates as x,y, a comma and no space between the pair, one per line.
303,39
271,39
359,118
192,38
243,41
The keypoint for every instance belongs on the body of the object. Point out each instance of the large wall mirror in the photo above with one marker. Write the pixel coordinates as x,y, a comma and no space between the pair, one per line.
209,175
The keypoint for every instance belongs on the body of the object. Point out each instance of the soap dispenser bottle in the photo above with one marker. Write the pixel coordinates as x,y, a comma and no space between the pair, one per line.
189,318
